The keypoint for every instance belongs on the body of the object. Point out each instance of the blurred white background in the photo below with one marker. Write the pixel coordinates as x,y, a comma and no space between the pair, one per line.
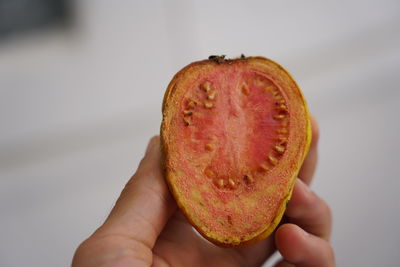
78,105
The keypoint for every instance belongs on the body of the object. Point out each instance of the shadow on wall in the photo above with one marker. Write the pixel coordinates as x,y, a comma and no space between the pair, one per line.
24,16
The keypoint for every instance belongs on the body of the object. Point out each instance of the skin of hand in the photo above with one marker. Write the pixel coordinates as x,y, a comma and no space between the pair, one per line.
145,228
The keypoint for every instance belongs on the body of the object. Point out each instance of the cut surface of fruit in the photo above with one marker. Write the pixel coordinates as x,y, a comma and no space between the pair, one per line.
234,135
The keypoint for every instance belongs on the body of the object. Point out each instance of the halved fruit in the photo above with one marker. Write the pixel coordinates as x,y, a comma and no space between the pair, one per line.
234,136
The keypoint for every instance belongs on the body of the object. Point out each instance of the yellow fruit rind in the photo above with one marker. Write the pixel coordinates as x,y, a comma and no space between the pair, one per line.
167,110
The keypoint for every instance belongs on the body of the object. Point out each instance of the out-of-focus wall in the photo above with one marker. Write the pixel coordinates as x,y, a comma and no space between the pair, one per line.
78,105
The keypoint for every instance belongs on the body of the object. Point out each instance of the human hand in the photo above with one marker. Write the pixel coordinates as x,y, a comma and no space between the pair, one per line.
145,228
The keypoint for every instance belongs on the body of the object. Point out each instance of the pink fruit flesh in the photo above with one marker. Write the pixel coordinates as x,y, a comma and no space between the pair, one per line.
231,139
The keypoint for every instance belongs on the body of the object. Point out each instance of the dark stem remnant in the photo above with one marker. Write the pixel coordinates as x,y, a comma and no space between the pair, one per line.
217,59
220,59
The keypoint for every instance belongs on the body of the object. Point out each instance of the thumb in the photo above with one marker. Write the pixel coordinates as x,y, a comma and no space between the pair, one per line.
145,204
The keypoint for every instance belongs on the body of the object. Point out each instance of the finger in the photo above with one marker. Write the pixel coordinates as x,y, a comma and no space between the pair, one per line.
145,204
309,211
302,249
307,170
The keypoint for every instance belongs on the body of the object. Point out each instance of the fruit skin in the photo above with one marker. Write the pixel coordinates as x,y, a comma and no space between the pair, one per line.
171,105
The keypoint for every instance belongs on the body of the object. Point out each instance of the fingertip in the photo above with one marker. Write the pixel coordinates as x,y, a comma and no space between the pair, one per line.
152,158
153,142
